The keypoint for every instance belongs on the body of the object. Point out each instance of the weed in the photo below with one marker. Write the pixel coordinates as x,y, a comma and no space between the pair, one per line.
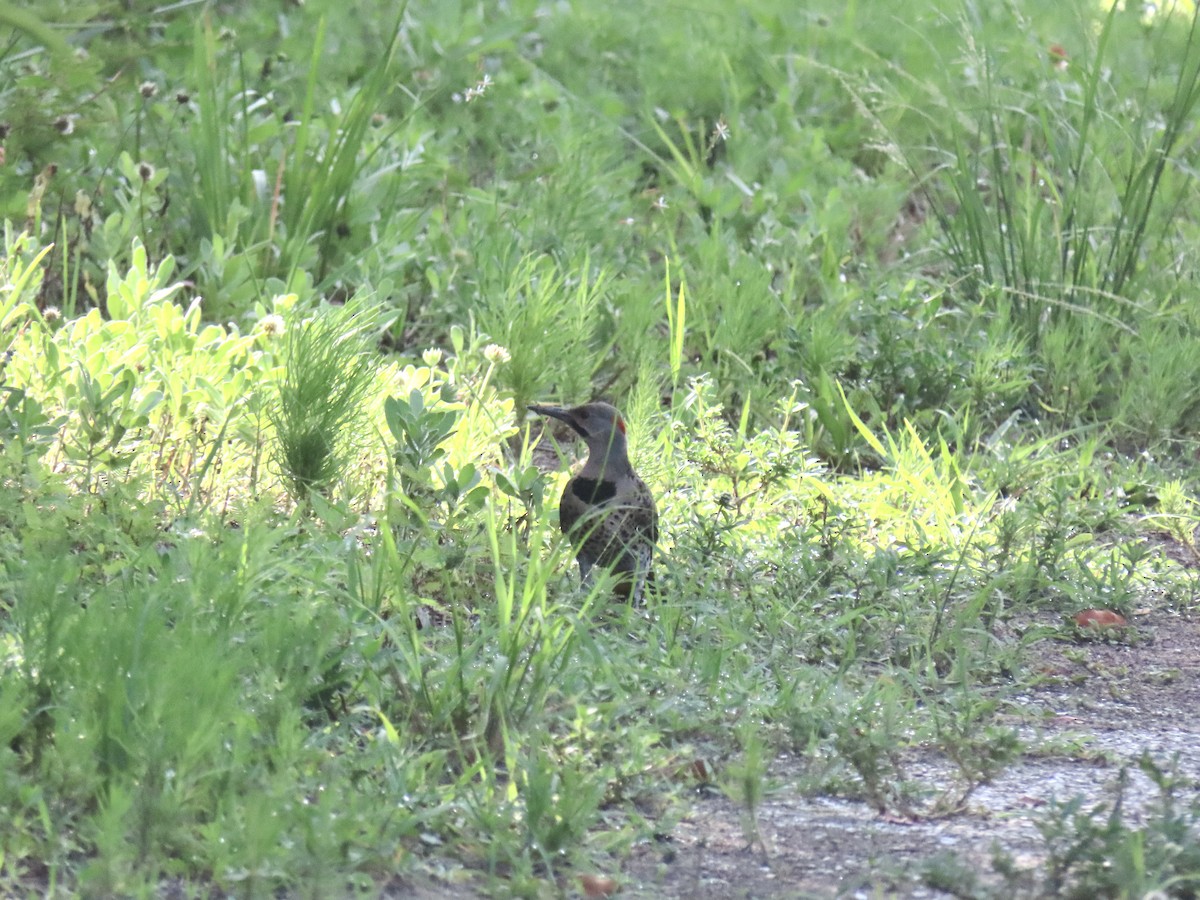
327,374
1098,852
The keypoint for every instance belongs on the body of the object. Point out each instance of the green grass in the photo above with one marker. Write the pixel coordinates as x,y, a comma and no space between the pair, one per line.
328,373
903,328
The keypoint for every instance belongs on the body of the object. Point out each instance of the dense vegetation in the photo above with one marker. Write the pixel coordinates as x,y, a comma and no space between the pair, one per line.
899,301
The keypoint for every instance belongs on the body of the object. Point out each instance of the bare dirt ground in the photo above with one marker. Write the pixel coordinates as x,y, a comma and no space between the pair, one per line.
1114,701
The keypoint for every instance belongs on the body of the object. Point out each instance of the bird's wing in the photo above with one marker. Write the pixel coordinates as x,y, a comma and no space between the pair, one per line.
645,512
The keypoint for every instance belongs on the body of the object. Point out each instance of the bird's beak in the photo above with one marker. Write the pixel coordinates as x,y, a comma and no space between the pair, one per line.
557,412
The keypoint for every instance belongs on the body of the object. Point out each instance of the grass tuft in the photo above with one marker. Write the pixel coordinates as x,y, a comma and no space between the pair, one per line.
319,403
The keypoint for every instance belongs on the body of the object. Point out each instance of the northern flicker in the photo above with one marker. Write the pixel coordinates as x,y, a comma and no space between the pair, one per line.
606,511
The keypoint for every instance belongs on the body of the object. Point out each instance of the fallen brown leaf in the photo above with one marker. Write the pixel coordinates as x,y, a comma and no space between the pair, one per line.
1099,618
598,885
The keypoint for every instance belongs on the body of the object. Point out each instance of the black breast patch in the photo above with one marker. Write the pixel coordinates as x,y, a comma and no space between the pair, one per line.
593,492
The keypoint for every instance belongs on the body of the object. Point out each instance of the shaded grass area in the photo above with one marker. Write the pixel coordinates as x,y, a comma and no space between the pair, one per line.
902,328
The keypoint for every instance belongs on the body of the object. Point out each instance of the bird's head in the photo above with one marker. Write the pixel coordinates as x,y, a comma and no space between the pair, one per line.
599,424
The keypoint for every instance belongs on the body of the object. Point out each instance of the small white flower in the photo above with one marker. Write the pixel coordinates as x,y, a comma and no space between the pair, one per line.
478,90
432,357
495,354
272,324
721,130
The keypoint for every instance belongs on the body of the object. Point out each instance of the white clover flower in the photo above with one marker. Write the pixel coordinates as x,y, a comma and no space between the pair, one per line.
495,354
272,324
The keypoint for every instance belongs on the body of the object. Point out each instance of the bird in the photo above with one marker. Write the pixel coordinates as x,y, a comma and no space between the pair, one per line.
606,510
